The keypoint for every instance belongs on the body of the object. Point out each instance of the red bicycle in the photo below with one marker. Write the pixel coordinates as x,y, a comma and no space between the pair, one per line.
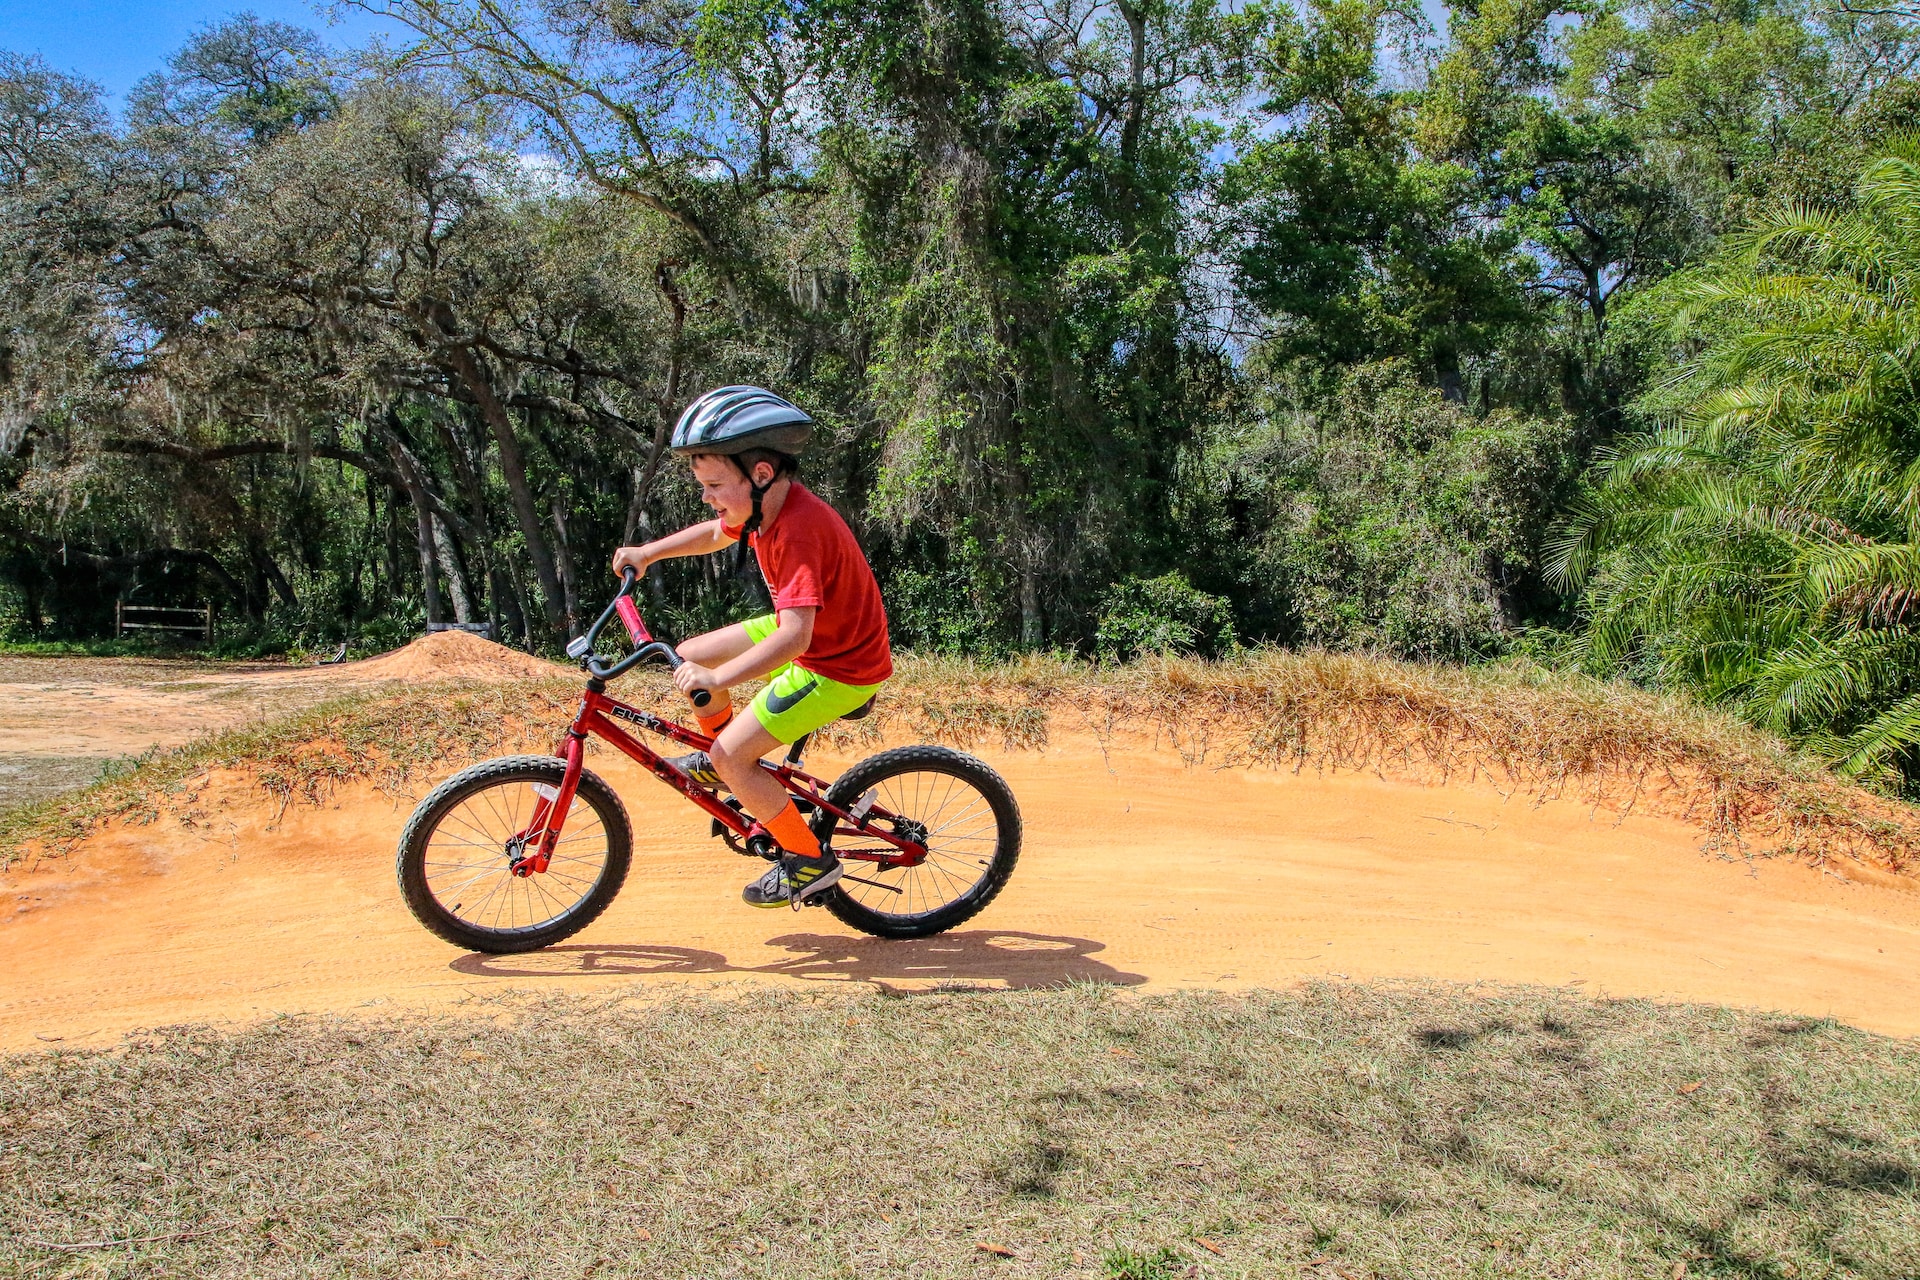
518,853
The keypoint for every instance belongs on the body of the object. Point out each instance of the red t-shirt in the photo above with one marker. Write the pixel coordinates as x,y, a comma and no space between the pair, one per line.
811,560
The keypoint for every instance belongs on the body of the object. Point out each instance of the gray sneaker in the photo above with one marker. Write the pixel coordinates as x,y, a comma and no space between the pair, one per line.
698,769
793,880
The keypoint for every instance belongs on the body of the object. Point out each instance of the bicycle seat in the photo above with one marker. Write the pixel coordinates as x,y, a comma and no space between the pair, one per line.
862,711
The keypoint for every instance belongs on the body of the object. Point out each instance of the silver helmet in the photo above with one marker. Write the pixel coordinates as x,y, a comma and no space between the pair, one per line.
735,419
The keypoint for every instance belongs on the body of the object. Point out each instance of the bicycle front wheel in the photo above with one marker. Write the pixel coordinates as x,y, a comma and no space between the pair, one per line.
961,809
457,857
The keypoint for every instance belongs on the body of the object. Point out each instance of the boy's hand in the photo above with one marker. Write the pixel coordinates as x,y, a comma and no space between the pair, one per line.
634,558
689,676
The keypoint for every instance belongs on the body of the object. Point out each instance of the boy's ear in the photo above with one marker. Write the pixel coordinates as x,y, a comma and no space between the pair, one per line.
764,474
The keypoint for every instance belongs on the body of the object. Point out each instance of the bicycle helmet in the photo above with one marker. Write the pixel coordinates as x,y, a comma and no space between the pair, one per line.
731,420
736,420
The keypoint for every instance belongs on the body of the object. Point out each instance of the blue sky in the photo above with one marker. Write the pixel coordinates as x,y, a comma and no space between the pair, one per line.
115,42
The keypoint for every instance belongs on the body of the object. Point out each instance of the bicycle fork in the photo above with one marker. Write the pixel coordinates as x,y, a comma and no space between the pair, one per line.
543,828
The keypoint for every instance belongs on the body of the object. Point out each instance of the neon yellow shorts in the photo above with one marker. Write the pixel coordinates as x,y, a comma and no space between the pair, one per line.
797,701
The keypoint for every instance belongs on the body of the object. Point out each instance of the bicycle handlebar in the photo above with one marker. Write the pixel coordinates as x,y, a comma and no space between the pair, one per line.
651,648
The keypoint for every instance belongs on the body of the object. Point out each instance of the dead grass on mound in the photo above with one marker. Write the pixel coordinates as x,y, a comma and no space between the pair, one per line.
1543,734
1538,733
1338,1132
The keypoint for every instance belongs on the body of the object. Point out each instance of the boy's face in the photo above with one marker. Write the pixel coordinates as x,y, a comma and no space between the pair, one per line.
724,487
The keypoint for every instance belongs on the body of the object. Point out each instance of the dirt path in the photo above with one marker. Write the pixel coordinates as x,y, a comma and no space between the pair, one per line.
67,717
1136,871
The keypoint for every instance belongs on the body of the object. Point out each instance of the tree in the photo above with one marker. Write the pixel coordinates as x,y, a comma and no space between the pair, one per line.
1384,516
249,80
1762,544
1353,244
1030,289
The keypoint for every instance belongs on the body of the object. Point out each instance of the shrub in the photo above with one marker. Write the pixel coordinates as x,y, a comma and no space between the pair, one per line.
1162,615
1384,516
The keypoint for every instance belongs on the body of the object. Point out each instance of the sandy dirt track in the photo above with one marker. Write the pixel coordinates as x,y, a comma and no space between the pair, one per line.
1136,871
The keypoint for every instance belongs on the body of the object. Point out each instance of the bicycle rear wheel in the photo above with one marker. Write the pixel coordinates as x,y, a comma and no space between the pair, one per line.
457,855
967,816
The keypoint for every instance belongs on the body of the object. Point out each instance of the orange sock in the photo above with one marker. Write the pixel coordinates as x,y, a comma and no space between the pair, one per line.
792,831
713,724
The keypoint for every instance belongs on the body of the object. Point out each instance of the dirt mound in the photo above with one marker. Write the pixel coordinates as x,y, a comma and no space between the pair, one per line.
452,655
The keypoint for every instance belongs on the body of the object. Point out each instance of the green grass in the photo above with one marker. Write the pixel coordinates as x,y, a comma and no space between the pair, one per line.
1339,1131
238,647
105,647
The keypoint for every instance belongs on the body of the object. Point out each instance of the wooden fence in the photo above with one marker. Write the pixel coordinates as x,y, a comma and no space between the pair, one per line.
150,617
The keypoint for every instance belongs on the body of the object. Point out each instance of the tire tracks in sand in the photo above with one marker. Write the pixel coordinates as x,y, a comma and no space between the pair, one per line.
1136,871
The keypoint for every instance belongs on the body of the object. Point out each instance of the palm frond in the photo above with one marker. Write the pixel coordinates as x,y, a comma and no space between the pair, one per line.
1761,543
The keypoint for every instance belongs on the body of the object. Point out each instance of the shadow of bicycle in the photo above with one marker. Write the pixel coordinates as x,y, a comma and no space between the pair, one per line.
992,958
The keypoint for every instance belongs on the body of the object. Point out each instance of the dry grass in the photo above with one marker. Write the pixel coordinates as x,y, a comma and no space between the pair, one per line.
1342,1131
1519,727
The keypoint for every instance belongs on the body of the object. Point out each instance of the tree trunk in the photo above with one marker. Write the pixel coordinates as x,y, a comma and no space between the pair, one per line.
630,533
563,562
362,557
514,469
640,529
456,577
506,616
1136,113
392,548
281,587
429,580
520,606
1030,630
268,579
423,526
1136,20
1446,363
467,478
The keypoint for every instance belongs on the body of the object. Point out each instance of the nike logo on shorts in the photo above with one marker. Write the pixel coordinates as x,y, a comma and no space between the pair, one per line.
781,705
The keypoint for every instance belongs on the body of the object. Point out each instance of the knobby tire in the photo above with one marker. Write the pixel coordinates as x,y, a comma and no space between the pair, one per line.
964,770
510,771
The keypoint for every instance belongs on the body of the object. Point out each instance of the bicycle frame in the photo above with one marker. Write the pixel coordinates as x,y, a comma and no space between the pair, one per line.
596,718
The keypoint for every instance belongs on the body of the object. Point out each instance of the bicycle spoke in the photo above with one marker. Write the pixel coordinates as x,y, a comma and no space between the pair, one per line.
961,835
467,856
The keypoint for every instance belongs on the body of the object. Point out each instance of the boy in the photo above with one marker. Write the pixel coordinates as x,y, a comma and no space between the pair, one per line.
825,645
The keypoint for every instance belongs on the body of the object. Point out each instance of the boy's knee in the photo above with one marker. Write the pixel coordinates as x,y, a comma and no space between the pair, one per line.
726,761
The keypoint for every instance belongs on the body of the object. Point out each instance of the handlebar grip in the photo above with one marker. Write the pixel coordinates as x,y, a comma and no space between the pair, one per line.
647,645
699,697
630,615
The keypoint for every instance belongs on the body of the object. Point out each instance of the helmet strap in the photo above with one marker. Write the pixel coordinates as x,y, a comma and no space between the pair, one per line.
751,526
